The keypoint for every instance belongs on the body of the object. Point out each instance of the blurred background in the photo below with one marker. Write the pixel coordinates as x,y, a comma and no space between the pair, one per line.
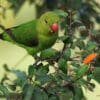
16,12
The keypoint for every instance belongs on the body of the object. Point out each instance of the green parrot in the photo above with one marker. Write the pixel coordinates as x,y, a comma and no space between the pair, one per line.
36,35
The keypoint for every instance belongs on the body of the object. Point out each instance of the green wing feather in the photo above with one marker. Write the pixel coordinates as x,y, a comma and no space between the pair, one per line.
24,34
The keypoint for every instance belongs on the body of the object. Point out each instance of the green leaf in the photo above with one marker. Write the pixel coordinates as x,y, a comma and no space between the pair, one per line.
20,74
21,77
4,90
78,93
39,95
46,68
96,36
61,13
45,54
29,92
95,32
53,98
91,46
62,65
31,69
67,54
82,82
89,77
98,19
96,74
81,70
42,76
66,95
51,91
63,76
66,39
43,68
80,43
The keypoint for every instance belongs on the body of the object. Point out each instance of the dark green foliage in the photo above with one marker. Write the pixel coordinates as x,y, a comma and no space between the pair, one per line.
4,90
91,46
97,19
96,74
80,43
67,80
21,77
67,54
78,93
31,70
39,94
81,71
28,91
66,39
46,54
61,13
62,65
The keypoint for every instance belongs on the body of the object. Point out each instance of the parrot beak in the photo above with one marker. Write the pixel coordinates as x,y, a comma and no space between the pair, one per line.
54,27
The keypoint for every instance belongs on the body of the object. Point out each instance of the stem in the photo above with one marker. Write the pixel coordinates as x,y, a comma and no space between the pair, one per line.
13,96
70,22
2,27
73,81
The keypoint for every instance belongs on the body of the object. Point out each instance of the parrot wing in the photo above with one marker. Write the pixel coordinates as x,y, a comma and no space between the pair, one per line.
24,34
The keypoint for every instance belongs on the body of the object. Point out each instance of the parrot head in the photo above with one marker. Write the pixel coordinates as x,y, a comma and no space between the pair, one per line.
48,23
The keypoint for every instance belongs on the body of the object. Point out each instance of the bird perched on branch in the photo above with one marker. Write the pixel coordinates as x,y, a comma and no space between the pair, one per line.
36,35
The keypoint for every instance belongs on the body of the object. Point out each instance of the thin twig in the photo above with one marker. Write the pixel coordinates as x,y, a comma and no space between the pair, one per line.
2,27
70,22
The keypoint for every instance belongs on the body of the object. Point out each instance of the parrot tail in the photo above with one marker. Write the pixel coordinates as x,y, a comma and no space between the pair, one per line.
7,31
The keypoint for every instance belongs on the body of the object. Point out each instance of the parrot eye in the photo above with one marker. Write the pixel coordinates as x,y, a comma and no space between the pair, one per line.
46,21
